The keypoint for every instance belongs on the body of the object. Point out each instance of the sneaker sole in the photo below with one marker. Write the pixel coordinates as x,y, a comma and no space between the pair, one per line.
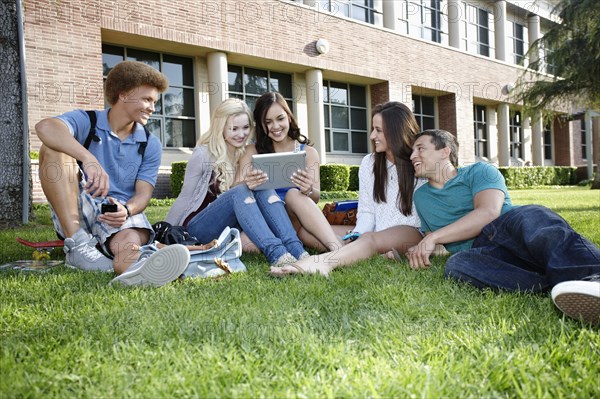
579,300
159,269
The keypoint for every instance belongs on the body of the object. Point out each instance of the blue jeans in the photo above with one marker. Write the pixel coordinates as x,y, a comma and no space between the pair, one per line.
529,248
268,226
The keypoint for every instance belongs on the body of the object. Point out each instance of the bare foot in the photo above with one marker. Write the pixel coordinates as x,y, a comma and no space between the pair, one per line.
289,269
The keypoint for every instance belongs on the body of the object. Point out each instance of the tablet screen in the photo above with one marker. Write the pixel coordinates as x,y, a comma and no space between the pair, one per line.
279,166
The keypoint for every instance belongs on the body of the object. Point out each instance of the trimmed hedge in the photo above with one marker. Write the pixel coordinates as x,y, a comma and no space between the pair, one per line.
532,176
353,182
334,177
342,178
177,175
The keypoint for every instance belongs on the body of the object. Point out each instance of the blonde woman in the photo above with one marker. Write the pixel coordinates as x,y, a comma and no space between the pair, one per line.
208,202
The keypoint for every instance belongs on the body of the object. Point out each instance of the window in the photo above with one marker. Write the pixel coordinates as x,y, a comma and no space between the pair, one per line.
248,84
345,110
583,140
477,30
550,61
481,131
361,10
516,135
423,19
424,110
173,120
547,141
518,39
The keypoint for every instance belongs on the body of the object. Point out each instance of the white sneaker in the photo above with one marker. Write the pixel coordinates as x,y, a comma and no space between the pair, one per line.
156,267
81,253
579,299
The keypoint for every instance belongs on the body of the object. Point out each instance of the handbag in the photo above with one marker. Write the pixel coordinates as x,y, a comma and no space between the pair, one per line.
221,258
341,212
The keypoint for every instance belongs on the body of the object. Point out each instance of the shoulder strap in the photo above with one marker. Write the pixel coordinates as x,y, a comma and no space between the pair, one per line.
92,134
143,144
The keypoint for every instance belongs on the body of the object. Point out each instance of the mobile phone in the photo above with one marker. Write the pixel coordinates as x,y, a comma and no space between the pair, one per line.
351,236
106,208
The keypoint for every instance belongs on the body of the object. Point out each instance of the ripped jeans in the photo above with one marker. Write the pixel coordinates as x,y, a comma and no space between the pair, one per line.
261,214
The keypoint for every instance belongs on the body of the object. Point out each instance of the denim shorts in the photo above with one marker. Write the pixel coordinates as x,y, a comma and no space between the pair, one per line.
89,210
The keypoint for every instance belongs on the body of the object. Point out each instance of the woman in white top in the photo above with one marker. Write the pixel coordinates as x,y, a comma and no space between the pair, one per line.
386,217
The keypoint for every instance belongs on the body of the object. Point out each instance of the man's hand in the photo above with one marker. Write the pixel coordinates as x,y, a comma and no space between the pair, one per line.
98,182
114,219
418,256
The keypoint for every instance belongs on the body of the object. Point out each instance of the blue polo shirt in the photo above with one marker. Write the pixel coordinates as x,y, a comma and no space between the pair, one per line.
120,159
438,208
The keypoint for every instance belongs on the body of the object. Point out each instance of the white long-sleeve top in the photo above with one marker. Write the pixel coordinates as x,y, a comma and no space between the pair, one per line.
373,216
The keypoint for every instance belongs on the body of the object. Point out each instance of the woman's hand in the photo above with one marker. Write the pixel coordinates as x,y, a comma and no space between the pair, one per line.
304,181
255,178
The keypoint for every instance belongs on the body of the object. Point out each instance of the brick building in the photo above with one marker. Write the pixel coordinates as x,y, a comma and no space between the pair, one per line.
454,62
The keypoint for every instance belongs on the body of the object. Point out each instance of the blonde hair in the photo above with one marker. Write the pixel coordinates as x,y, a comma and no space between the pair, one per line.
225,166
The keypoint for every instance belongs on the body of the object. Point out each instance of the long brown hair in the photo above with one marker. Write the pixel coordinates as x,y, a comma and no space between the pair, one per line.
400,129
264,144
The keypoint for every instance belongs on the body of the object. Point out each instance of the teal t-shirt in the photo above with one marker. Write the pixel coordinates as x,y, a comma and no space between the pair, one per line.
438,208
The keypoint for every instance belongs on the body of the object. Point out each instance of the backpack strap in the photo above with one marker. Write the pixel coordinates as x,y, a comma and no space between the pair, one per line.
91,134
93,137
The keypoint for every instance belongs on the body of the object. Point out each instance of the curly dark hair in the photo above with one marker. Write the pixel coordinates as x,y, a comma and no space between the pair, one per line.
128,75
264,144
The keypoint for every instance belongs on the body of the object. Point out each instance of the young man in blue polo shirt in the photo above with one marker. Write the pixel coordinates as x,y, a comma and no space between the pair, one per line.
496,244
118,166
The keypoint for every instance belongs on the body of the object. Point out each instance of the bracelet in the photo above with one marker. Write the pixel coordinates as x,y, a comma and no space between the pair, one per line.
310,191
128,210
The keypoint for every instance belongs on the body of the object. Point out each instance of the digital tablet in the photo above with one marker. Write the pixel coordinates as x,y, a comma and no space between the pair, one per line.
279,166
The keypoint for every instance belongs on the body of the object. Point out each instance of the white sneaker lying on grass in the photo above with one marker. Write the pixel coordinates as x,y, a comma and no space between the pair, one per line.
579,299
156,267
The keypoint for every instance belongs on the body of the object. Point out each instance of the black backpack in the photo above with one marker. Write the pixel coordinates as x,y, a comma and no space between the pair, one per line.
92,136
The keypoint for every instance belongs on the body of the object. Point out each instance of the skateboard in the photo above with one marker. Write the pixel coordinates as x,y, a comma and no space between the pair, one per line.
41,256
42,249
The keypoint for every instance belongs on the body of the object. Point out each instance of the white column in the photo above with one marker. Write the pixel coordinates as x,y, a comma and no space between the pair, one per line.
503,135
533,27
390,14
217,79
500,29
526,155
314,110
454,14
537,140
492,121
589,139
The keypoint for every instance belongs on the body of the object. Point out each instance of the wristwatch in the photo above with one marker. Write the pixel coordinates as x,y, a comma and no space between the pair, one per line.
128,210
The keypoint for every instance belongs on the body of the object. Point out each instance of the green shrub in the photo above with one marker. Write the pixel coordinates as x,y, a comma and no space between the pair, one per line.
338,195
177,174
532,176
353,181
334,177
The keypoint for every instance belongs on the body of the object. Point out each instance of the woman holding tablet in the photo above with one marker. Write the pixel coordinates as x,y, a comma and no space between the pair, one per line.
386,215
276,132
208,203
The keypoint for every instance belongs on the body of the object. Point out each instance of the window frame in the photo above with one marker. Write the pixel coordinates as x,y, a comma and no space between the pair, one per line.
518,57
584,143
547,139
420,115
330,131
424,12
348,7
480,24
161,115
515,130
243,95
480,142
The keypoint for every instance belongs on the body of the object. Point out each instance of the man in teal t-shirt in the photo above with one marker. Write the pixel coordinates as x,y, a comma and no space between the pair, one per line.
494,244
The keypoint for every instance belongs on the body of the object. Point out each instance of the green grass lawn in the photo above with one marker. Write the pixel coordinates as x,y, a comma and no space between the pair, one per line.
376,329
